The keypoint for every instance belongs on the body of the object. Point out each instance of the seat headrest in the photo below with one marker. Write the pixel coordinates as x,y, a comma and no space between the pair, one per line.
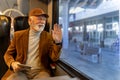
5,23
21,23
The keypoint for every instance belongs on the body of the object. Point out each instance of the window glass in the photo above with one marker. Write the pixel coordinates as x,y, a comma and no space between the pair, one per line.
91,37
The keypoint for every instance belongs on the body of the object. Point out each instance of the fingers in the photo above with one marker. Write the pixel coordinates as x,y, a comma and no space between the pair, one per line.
57,27
24,69
57,33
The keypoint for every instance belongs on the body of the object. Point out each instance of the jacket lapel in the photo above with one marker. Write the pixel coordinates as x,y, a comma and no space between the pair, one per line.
25,43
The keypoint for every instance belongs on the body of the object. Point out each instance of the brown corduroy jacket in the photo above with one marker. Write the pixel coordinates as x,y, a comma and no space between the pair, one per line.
17,51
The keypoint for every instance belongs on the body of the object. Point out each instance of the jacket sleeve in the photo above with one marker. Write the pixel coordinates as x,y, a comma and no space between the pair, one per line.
55,50
10,53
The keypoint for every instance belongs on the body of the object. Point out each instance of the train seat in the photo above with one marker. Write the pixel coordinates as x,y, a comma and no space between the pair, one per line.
5,23
20,23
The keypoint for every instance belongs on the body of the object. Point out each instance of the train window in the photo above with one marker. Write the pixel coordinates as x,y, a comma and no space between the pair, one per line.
94,50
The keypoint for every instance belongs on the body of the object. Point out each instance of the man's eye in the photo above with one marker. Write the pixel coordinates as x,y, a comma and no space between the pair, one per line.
42,18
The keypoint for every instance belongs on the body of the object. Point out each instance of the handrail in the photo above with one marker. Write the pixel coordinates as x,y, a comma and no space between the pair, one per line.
15,10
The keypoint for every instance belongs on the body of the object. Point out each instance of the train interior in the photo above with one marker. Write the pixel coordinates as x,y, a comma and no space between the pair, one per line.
91,29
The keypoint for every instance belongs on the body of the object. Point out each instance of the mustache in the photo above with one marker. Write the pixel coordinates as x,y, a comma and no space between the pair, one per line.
40,24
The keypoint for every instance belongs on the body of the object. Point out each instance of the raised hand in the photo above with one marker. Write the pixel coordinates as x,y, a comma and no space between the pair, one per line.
57,33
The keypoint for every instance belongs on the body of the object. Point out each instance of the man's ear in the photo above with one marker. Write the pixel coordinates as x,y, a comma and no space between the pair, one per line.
29,21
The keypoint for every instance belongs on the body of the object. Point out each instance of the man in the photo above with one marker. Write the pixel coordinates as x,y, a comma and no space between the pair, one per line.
33,47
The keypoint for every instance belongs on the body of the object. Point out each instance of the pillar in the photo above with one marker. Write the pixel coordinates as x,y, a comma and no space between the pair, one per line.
84,31
119,36
65,24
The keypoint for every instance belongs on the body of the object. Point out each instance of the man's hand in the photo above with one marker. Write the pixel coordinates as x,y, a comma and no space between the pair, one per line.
57,33
19,67
15,66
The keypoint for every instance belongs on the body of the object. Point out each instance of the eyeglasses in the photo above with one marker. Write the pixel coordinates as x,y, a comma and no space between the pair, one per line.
42,18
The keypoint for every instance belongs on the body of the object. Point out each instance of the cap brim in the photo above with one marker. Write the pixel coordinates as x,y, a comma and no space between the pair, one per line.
45,15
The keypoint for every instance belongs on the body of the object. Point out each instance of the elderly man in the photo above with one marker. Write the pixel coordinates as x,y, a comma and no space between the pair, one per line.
32,50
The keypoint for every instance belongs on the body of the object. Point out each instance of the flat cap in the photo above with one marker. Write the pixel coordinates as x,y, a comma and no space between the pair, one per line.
38,12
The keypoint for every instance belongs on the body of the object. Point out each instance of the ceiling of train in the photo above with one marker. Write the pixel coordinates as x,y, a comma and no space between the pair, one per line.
6,4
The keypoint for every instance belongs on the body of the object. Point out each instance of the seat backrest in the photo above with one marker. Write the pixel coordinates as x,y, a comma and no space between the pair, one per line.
21,23
5,23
